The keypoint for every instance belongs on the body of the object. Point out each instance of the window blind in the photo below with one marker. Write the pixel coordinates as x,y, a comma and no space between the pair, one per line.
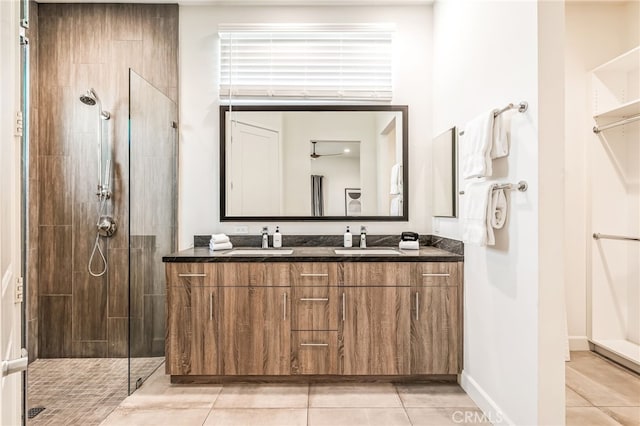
327,63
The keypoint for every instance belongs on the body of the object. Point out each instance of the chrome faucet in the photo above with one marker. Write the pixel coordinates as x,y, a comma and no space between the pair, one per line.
265,237
363,237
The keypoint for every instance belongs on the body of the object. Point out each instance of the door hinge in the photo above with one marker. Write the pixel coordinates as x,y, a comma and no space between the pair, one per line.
19,290
19,123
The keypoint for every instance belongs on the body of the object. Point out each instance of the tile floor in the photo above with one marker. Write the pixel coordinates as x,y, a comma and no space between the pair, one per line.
159,402
600,392
81,391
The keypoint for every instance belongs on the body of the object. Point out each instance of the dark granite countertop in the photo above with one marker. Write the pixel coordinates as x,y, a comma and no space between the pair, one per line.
314,254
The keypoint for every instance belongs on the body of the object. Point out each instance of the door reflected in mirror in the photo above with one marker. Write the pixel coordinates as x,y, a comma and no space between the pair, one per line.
313,162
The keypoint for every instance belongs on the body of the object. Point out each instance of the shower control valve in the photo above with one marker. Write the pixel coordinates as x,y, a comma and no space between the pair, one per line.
107,226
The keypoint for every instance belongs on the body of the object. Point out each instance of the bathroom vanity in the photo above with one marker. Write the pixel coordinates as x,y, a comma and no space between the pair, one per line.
312,314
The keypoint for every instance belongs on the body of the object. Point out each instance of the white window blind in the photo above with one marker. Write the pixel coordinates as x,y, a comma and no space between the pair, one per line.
314,62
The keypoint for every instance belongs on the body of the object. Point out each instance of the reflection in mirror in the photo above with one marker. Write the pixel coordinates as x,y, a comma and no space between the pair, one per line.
315,163
444,174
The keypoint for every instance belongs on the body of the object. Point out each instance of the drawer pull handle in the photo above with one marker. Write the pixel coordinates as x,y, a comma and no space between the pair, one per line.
435,275
192,275
314,299
284,306
344,305
211,307
314,344
417,305
314,275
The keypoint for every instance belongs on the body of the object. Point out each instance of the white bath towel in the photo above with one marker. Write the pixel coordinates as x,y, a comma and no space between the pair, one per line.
483,207
396,206
409,245
475,146
220,246
501,135
396,179
219,238
498,209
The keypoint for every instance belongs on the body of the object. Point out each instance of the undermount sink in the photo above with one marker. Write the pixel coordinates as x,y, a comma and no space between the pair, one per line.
367,251
259,252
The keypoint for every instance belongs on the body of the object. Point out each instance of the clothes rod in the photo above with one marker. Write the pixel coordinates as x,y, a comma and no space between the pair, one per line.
522,107
521,186
598,236
597,129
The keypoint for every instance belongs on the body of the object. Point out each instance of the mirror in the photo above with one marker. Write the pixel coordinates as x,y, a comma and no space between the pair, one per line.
444,177
313,163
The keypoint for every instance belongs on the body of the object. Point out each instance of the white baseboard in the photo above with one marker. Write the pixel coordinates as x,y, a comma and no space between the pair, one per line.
578,343
493,413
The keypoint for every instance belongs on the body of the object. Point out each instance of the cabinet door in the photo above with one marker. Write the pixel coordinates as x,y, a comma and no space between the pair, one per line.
375,330
435,328
192,331
255,333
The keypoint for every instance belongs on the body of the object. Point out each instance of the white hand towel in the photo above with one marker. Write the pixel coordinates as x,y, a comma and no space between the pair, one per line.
219,238
409,245
498,209
220,246
396,180
396,206
501,135
475,146
474,213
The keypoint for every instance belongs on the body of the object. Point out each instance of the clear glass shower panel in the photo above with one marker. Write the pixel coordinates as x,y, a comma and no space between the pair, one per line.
152,221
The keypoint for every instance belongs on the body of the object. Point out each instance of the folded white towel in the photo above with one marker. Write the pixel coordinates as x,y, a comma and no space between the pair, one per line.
483,209
475,146
396,179
219,238
409,245
501,135
396,206
498,209
220,246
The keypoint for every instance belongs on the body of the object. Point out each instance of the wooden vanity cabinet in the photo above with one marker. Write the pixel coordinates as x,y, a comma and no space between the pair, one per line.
436,318
192,320
255,319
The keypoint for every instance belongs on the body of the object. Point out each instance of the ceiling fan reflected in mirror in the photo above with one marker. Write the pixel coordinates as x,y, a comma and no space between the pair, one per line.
315,154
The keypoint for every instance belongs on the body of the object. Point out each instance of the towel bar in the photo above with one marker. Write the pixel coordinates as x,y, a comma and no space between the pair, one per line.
521,186
522,107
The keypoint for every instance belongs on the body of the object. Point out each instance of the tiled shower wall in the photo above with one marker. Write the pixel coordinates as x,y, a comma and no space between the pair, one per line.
81,46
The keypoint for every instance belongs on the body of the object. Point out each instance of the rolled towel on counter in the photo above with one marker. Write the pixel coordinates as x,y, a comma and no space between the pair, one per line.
219,238
220,246
409,245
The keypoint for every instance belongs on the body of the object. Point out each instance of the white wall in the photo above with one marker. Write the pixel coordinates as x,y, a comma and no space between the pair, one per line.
199,46
485,56
596,32
339,173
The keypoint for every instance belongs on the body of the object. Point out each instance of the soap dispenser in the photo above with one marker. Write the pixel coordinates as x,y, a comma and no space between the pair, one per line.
348,238
277,238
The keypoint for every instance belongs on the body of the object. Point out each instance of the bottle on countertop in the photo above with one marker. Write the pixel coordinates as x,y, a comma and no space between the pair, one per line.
348,238
277,238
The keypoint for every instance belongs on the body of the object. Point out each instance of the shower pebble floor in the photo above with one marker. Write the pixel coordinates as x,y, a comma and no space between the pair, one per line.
81,391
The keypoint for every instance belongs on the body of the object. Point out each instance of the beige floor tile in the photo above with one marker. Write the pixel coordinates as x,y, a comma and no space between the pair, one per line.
601,382
588,416
352,395
257,417
263,396
627,416
612,392
156,417
446,416
358,417
573,399
434,395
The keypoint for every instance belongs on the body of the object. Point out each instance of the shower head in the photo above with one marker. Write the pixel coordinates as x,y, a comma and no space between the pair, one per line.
91,98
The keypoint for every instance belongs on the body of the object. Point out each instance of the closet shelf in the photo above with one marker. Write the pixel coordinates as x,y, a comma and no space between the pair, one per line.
628,62
622,111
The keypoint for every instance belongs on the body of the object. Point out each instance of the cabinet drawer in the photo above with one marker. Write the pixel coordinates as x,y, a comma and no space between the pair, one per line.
374,274
314,308
314,274
437,274
314,352
254,274
190,274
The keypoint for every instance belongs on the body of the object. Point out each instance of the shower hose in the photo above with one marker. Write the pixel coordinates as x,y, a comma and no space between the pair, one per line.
96,244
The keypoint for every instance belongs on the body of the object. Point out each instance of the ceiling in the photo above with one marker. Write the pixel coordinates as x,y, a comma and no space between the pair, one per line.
262,2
